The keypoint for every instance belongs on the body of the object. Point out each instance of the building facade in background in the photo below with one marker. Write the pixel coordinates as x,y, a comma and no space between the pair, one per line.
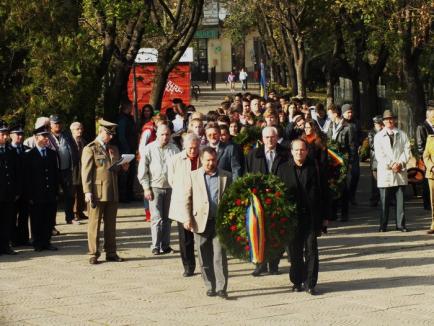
212,48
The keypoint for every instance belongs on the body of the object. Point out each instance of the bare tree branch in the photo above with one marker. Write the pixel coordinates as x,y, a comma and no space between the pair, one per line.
167,11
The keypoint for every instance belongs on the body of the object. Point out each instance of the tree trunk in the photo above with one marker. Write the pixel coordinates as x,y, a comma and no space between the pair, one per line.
356,96
330,81
272,72
370,104
117,90
158,88
414,86
299,71
284,75
292,77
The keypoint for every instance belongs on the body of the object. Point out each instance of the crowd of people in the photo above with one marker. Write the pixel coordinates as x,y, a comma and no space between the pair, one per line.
186,160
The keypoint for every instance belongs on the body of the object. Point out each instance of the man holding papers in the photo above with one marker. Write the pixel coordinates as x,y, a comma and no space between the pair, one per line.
100,186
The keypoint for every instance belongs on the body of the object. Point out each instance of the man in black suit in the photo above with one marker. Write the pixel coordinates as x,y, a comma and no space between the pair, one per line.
306,185
42,183
20,220
9,189
127,143
267,159
422,132
228,157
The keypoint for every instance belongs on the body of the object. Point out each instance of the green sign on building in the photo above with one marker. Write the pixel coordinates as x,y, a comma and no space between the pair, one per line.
207,33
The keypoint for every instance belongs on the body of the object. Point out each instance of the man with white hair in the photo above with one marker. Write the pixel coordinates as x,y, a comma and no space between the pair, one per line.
40,122
179,170
152,175
267,159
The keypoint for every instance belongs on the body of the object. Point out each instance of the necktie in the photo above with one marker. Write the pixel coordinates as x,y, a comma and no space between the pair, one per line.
391,138
44,152
2,150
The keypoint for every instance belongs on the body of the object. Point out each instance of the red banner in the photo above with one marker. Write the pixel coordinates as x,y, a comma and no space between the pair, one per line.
178,85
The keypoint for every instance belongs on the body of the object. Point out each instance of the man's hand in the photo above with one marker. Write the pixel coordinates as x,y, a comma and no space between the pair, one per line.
399,167
188,225
88,197
125,166
396,167
149,195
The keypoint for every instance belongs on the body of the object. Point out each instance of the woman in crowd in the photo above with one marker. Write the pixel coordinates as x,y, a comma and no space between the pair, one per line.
317,143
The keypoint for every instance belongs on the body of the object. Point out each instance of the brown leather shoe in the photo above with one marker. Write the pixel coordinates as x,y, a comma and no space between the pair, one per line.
430,232
93,260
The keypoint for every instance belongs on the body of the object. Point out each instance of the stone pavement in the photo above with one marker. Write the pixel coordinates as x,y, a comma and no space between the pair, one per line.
210,100
366,278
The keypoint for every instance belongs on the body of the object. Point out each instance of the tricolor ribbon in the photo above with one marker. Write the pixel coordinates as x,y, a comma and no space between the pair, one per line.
256,230
336,158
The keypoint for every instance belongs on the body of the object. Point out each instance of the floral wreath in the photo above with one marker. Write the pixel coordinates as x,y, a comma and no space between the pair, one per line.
337,167
255,219
248,138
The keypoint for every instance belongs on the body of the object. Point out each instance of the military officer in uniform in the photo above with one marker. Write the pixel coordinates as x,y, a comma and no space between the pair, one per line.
20,220
9,189
41,187
100,186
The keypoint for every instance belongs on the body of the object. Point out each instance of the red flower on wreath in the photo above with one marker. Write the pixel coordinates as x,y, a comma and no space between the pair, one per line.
273,216
247,248
272,225
268,201
254,190
233,228
239,239
238,202
283,220
268,190
282,231
278,194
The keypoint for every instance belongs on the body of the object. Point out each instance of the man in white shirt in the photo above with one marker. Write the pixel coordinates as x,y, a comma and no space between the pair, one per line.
152,175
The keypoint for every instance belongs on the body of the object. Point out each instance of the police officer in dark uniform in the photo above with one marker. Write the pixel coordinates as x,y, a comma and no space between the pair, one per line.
9,189
42,183
20,220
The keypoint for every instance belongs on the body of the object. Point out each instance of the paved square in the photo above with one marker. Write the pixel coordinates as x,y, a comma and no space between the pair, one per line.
366,278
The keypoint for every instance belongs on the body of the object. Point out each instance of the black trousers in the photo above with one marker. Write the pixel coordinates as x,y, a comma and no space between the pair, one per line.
304,258
42,216
354,178
20,222
7,213
375,192
342,202
426,195
126,182
68,197
186,247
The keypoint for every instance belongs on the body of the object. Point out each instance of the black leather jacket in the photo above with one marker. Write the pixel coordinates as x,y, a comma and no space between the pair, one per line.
422,132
